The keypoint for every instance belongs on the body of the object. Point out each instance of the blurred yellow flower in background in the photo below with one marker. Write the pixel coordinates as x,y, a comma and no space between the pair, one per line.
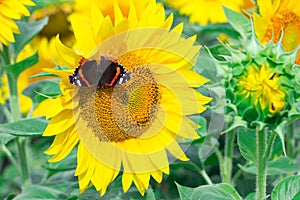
208,11
11,10
47,55
4,92
129,126
279,17
44,44
82,8
58,23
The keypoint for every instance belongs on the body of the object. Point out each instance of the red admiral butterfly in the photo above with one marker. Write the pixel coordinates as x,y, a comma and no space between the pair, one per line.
108,72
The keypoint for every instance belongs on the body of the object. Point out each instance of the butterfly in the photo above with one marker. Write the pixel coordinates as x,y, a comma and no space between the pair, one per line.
108,72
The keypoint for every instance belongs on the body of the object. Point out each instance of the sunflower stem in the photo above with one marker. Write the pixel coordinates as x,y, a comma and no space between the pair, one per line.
204,174
229,142
290,140
206,177
5,54
23,161
10,157
6,113
13,97
236,176
221,161
16,115
261,164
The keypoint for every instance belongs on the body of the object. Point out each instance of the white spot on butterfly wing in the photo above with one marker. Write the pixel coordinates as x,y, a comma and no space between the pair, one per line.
78,82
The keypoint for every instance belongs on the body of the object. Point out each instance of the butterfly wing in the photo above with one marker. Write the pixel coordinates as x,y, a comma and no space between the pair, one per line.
86,74
112,71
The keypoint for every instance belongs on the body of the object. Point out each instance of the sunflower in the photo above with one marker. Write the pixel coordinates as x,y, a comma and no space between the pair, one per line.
207,11
279,17
128,126
263,88
11,10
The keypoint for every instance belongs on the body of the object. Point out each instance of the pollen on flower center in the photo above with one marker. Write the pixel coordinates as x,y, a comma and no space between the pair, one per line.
124,111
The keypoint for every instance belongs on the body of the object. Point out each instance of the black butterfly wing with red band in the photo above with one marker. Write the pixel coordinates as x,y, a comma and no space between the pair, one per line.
107,73
86,74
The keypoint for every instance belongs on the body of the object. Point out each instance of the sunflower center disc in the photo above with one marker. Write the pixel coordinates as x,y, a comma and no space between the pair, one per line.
122,112
290,23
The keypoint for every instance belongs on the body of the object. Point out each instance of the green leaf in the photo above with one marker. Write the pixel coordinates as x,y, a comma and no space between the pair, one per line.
247,143
206,65
187,165
40,4
287,189
251,113
115,192
219,51
212,192
200,121
250,196
294,112
17,68
25,127
41,90
38,192
5,138
238,21
280,130
297,196
237,122
207,35
277,149
54,190
65,165
47,74
283,165
28,31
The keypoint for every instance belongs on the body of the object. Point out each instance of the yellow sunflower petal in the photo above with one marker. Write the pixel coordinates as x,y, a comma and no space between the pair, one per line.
96,17
62,146
117,13
9,10
84,178
127,179
67,55
60,120
157,175
141,180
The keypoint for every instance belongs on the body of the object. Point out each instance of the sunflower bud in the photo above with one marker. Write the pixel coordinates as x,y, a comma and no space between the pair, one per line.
260,80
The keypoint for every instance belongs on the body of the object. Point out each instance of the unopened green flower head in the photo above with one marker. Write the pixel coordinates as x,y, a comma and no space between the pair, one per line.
261,85
260,80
